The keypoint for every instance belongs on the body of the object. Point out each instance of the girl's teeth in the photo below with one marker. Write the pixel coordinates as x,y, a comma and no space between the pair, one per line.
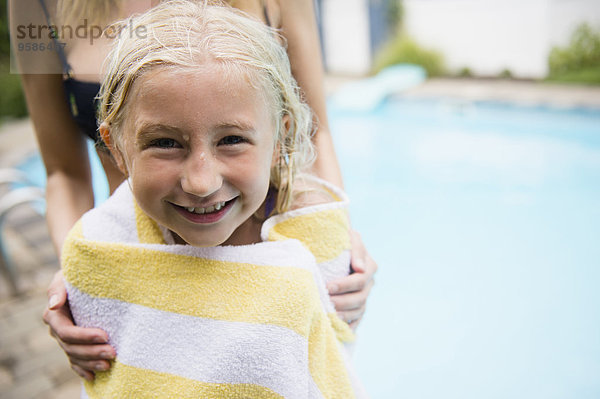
210,209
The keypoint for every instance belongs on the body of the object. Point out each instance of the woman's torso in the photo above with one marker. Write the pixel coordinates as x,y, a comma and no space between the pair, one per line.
85,55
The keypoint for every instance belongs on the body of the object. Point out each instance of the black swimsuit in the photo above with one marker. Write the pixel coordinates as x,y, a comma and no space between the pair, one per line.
83,104
80,95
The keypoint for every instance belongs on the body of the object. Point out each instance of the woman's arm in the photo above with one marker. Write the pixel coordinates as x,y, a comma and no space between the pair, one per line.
69,195
299,27
63,148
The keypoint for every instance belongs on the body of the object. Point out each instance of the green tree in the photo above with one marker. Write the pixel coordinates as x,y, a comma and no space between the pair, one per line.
580,60
404,50
12,100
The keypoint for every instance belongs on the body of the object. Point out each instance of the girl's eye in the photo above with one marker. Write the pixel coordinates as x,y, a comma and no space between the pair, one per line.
163,143
232,140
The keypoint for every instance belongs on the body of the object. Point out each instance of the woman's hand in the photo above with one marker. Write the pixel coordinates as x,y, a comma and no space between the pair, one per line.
86,348
349,294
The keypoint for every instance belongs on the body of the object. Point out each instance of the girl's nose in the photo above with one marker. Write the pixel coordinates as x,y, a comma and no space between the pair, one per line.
201,176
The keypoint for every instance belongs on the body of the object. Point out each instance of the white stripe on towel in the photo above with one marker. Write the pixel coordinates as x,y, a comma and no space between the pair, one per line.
272,356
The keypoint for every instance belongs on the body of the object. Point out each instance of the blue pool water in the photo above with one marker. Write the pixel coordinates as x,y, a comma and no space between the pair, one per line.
484,219
36,173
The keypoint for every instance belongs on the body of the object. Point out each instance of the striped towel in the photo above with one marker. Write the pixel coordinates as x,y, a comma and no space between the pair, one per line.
250,321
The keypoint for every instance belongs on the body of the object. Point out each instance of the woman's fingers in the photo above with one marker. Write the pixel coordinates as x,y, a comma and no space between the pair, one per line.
358,253
352,316
62,328
351,307
360,260
349,294
83,373
79,345
57,293
90,366
352,300
82,354
86,348
349,284
58,317
355,323
85,358
351,304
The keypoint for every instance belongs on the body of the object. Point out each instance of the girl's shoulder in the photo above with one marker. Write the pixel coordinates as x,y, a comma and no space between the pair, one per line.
312,191
318,209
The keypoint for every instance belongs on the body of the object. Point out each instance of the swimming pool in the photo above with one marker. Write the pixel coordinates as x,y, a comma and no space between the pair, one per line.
485,221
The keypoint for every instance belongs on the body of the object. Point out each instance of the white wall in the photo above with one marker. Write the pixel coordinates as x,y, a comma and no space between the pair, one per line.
488,36
565,15
346,36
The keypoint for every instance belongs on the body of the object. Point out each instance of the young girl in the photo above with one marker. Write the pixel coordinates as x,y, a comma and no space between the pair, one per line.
207,267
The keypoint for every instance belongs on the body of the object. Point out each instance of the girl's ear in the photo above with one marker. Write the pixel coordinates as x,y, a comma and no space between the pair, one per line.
114,150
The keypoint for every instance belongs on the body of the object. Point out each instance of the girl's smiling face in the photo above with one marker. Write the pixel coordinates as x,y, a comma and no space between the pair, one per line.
198,147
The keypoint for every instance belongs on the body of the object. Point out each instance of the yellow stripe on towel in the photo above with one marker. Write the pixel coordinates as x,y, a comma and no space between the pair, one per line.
147,229
342,330
123,381
204,287
326,241
323,350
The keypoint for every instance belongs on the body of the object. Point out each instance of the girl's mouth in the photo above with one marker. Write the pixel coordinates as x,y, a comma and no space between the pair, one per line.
210,209
210,214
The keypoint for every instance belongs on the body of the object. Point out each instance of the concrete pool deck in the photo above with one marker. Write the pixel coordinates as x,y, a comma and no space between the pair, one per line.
31,364
521,92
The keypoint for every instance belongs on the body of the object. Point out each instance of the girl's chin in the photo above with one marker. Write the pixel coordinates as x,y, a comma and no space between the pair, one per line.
195,242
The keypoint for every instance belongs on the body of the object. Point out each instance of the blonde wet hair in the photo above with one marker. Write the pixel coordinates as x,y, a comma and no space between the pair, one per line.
182,34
